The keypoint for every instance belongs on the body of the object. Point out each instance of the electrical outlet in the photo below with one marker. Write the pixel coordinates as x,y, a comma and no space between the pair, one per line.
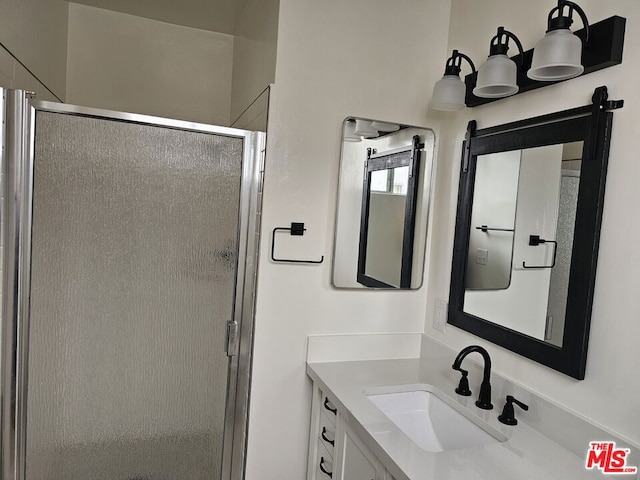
440,312
482,256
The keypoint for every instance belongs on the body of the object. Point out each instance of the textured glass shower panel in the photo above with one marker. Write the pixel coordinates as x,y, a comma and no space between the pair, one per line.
134,260
559,282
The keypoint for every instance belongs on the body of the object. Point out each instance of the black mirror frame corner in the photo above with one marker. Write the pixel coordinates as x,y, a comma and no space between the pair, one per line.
592,124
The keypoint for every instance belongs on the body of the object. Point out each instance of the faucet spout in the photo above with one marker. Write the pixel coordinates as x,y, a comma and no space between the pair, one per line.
484,398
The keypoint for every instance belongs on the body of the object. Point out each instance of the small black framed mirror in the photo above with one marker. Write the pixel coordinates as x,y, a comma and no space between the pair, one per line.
387,223
530,205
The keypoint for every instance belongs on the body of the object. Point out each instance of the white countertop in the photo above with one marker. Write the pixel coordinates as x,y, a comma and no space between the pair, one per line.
527,454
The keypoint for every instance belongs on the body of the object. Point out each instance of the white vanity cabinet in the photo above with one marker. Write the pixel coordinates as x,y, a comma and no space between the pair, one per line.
358,463
335,451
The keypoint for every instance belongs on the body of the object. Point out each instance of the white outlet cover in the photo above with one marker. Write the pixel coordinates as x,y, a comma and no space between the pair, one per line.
482,256
440,313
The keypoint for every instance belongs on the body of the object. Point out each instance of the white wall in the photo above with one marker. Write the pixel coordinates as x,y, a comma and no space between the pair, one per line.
14,75
353,156
609,395
256,115
123,62
33,51
254,53
495,193
366,58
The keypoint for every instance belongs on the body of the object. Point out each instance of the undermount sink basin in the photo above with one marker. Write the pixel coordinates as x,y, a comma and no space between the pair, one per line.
432,421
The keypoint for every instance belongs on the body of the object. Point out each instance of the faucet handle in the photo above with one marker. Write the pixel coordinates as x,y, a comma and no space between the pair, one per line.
508,416
463,386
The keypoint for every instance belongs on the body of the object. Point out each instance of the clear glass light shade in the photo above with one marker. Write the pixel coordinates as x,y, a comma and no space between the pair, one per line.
350,132
365,129
448,94
497,78
557,56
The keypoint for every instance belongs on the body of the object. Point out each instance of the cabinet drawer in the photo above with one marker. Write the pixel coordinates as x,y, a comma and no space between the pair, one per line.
327,433
328,408
325,463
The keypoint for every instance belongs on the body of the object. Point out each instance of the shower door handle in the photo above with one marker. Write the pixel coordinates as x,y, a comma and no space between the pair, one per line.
231,343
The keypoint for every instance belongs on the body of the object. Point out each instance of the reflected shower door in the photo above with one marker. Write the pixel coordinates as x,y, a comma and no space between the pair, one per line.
134,251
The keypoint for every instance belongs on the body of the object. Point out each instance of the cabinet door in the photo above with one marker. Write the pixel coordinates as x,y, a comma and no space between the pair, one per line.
358,463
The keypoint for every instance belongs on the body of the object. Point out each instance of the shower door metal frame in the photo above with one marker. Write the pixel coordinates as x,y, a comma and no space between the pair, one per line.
18,111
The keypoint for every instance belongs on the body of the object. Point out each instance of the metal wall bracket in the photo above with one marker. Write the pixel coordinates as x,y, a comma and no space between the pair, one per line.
486,229
296,229
471,132
600,104
231,343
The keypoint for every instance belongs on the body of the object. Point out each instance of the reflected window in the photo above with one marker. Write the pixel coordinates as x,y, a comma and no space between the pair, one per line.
380,181
401,181
393,181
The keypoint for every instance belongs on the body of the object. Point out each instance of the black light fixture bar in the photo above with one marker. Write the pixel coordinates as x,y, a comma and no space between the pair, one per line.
604,49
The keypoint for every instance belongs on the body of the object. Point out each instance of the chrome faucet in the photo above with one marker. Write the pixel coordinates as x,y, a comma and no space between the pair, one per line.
484,398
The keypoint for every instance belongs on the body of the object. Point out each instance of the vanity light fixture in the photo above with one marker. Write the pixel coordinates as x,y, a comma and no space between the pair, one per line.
497,77
364,128
449,91
558,56
349,134
385,126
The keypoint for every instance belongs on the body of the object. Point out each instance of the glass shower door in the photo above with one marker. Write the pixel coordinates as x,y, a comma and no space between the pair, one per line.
134,277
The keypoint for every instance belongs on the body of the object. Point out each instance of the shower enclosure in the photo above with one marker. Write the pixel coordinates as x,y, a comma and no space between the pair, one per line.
128,276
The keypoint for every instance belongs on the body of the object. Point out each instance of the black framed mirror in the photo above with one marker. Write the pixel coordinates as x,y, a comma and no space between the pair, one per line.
387,223
530,204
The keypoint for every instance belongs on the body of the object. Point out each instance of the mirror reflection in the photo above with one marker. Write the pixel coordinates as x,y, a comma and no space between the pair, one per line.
383,202
531,290
382,228
521,238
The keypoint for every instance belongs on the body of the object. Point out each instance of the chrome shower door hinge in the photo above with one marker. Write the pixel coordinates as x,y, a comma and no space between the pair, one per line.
231,344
